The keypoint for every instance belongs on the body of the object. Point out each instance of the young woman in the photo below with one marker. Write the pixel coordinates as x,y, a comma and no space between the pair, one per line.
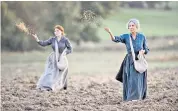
134,83
54,78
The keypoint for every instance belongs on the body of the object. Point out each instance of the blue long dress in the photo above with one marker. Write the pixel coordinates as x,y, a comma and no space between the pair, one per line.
134,83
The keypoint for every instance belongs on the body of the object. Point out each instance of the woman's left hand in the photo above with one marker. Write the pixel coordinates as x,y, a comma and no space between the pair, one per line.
142,52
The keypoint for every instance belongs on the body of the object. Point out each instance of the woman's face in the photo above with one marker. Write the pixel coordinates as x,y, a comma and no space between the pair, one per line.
132,27
57,32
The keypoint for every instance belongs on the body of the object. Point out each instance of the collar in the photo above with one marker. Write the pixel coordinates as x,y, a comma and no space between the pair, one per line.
136,34
62,37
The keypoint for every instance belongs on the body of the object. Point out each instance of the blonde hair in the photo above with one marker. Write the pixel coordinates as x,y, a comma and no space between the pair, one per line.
135,21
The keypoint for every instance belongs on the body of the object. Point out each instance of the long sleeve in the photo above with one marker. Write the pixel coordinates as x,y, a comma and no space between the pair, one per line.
46,42
119,38
145,47
69,47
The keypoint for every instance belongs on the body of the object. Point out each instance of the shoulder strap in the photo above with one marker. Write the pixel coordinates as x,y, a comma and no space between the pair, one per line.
132,50
56,51
64,52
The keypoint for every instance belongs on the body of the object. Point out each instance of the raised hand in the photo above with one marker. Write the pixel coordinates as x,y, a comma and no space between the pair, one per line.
107,30
36,37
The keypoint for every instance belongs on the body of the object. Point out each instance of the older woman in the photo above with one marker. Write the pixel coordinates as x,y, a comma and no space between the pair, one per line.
54,77
134,83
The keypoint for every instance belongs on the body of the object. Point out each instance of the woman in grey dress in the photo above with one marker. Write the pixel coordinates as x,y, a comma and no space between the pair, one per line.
134,83
54,78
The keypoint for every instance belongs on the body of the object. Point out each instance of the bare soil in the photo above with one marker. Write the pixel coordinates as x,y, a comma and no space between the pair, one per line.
90,93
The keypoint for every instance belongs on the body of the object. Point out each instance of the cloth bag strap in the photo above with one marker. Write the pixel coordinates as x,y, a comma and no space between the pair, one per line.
132,50
57,51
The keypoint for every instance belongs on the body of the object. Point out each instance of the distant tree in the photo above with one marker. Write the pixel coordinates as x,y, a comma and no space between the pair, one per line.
132,4
43,16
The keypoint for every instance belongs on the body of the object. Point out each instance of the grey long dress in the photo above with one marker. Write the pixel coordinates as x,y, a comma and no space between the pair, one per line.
51,79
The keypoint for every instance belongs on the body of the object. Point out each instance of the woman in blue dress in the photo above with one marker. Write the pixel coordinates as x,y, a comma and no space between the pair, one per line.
134,83
54,78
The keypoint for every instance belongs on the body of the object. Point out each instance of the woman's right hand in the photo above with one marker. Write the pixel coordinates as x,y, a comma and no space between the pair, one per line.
107,30
110,33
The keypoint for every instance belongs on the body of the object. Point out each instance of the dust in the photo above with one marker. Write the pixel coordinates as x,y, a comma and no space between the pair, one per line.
25,28
90,17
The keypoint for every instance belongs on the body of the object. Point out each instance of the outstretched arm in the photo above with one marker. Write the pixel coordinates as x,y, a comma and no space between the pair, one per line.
43,43
115,38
